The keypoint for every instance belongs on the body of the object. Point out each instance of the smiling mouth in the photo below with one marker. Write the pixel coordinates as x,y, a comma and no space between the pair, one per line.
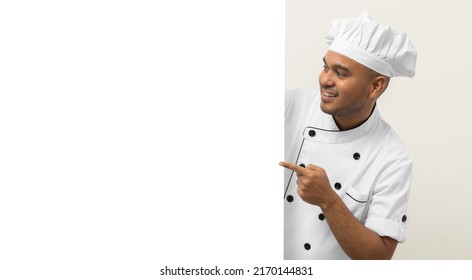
328,94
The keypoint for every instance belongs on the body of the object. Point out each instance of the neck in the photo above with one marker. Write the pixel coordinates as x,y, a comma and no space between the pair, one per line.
350,122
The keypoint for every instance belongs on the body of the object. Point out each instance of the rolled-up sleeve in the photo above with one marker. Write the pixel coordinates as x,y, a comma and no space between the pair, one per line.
387,212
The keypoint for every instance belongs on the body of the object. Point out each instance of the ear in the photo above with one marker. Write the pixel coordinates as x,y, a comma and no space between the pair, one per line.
379,85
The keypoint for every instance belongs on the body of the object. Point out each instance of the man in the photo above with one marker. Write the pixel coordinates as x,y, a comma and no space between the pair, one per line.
347,175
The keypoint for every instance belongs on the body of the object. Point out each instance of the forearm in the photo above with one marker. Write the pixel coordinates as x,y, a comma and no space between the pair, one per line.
357,241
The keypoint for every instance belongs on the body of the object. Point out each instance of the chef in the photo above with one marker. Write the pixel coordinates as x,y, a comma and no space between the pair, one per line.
347,174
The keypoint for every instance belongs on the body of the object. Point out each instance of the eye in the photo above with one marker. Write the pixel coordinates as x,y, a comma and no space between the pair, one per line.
341,74
325,68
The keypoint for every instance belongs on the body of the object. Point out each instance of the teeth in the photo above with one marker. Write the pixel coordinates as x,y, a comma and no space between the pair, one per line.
329,94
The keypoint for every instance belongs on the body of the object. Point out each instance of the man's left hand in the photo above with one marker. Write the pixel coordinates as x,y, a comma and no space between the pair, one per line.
313,184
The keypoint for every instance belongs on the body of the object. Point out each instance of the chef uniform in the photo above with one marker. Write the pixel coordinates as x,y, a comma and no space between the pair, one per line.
367,166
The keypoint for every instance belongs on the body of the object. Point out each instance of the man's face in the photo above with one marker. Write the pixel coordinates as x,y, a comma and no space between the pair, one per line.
345,87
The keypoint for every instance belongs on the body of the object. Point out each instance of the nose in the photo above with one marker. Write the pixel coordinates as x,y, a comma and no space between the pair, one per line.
326,79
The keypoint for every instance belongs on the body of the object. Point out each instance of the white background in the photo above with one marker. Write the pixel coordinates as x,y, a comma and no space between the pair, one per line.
136,135
430,112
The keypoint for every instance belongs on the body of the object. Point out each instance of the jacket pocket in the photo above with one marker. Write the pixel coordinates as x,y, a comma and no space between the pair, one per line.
356,201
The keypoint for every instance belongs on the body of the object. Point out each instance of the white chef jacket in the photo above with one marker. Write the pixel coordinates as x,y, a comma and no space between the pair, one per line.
367,166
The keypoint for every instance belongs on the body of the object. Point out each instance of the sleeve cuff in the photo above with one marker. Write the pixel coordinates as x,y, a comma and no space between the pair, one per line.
384,227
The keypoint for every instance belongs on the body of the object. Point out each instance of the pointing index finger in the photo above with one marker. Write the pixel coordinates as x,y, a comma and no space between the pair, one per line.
294,167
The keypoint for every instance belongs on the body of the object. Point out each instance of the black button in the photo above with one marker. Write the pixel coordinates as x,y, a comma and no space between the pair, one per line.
302,165
307,246
404,218
312,133
321,217
356,156
289,198
337,186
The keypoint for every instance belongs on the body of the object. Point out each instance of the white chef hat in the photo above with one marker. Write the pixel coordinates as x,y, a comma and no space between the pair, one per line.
383,49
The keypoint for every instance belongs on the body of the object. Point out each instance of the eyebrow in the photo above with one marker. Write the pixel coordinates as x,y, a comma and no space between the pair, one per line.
338,66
